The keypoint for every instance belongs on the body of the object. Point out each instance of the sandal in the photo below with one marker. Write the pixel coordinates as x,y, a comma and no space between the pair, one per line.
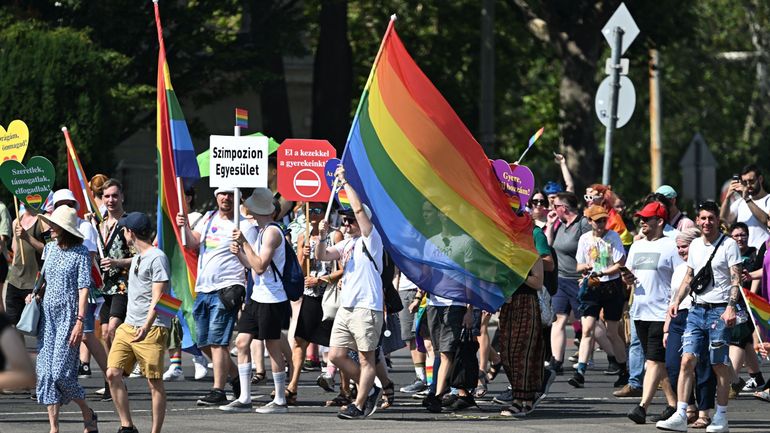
92,423
340,400
481,387
515,409
692,416
762,395
388,395
701,422
258,377
291,398
494,370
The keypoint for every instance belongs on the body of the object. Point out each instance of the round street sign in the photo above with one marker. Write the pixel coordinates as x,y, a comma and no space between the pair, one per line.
307,183
626,101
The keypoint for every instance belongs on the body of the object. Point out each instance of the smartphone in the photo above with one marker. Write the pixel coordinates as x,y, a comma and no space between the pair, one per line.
736,178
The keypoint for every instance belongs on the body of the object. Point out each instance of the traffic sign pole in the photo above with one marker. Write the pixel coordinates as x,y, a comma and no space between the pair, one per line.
614,92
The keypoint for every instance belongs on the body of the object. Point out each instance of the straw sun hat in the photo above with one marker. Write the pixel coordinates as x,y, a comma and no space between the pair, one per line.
66,218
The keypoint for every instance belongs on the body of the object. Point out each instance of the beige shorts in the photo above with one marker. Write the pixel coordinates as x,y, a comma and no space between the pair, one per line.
357,329
150,352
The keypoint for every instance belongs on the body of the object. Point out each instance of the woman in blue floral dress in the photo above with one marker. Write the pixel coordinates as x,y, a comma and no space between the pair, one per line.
67,275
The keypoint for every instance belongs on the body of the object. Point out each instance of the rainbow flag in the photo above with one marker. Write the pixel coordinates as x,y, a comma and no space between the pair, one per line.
168,305
176,159
77,182
436,201
241,118
535,136
760,308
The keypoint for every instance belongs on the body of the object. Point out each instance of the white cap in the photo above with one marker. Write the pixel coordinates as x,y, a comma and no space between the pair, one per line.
223,190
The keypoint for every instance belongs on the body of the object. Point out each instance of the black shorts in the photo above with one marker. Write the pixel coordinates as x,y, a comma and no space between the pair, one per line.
114,306
3,269
310,327
264,321
651,337
609,295
14,302
445,325
742,334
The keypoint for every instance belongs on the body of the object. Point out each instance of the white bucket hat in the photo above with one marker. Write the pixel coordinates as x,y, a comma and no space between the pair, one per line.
260,202
65,195
66,218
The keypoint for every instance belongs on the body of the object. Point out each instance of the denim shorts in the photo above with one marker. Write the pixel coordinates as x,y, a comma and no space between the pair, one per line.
705,323
89,319
214,324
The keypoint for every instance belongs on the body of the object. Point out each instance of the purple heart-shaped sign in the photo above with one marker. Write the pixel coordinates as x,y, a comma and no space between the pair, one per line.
505,176
524,180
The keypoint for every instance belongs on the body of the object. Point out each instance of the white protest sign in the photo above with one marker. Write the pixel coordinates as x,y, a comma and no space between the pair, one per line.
238,162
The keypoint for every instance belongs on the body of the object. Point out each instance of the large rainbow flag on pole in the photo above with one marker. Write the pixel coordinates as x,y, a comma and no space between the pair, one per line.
760,310
176,159
436,201
77,182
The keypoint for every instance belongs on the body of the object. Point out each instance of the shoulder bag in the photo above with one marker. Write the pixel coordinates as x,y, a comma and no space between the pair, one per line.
705,276
29,322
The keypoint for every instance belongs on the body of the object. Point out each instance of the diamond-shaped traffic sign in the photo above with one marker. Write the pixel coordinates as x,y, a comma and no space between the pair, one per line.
621,18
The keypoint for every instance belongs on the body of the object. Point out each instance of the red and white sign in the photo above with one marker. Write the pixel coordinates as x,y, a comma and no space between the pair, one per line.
301,169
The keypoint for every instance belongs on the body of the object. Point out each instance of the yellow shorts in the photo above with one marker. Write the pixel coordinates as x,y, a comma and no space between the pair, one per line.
149,353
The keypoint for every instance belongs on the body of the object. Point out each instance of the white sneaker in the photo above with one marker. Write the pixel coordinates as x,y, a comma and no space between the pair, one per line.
674,423
234,352
751,385
100,391
718,425
173,374
236,406
273,407
137,371
200,367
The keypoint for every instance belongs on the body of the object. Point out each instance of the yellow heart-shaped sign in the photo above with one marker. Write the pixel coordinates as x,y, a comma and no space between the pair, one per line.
14,141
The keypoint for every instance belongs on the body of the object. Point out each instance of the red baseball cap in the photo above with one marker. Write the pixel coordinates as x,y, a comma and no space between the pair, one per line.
654,209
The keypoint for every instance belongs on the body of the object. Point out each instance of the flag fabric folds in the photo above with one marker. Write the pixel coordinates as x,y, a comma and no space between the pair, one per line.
176,159
760,309
435,199
77,182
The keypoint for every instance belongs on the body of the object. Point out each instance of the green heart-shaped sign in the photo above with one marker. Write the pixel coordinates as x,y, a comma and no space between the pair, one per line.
31,184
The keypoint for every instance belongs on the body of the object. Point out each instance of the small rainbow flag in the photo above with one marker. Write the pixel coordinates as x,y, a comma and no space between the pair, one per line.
242,118
535,136
760,308
342,199
168,305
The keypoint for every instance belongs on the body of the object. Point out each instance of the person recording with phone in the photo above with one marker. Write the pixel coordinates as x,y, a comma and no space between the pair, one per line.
751,206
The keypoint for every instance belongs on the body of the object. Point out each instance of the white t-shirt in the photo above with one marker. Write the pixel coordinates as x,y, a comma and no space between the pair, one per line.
217,266
90,236
670,232
757,231
653,264
405,283
268,288
361,282
458,249
727,255
676,280
600,253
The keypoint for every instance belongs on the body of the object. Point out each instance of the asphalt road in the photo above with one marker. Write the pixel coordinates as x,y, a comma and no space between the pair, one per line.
592,409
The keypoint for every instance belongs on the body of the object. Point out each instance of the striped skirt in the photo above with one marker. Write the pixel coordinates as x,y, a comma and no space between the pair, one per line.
521,345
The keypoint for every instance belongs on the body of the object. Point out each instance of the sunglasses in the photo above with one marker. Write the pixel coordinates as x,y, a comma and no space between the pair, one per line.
538,202
591,197
316,211
648,219
349,221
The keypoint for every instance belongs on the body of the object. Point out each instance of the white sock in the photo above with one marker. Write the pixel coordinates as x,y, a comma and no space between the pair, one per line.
280,388
377,382
721,410
244,375
681,409
420,372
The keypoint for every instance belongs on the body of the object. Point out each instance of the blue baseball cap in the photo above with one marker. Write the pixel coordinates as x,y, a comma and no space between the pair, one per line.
666,191
137,222
552,188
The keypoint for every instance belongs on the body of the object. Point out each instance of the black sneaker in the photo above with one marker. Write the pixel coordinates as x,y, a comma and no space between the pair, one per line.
107,396
448,399
84,371
236,384
557,367
462,402
432,403
622,379
370,405
215,397
504,398
666,414
638,415
131,429
350,412
577,380
612,369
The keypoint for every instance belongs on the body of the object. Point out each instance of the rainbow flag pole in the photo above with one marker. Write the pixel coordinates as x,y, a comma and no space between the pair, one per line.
755,305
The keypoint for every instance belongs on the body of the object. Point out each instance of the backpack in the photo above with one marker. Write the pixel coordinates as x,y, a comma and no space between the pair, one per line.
292,278
391,298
